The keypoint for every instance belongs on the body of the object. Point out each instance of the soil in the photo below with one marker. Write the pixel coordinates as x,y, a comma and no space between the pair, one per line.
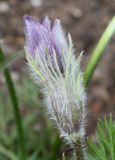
85,20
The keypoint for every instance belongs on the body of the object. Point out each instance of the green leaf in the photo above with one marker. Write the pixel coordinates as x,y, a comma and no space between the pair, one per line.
7,153
105,147
99,51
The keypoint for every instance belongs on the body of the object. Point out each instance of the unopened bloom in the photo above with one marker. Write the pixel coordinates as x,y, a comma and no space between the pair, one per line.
45,39
50,56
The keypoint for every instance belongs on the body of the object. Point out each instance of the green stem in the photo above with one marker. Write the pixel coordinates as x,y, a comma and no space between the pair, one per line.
79,150
99,51
14,100
12,58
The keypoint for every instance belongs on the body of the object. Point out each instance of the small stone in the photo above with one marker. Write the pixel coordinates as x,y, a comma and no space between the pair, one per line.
75,12
4,7
36,3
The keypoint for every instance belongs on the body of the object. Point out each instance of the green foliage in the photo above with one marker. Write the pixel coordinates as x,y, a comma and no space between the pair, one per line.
41,139
105,147
12,58
99,51
15,106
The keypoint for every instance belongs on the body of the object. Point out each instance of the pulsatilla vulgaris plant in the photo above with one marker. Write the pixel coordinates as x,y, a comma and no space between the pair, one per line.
54,66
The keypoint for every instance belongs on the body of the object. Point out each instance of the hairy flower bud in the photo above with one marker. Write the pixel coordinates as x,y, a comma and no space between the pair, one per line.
45,40
52,61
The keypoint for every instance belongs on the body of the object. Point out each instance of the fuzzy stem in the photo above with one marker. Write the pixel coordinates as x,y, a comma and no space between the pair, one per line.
15,104
79,150
99,51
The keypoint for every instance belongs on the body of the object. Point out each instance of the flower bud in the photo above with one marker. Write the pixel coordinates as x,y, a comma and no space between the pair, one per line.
52,61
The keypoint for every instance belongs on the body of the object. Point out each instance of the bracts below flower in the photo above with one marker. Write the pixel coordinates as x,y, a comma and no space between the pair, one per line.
53,64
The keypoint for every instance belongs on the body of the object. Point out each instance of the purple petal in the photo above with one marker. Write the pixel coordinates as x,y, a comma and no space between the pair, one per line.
40,39
58,36
47,23
37,36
